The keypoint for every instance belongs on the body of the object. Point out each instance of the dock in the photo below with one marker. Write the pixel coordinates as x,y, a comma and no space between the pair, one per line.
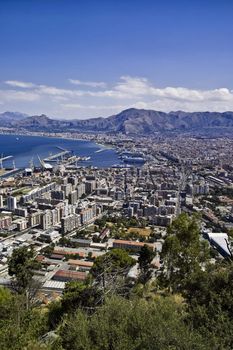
2,159
57,156
5,158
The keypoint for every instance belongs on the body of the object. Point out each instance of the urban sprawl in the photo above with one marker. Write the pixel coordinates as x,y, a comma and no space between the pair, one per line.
71,215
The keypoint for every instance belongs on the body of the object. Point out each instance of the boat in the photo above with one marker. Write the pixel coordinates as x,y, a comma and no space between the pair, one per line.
133,160
131,154
122,166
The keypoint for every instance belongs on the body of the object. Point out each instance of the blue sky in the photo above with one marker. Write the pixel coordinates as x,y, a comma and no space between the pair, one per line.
89,58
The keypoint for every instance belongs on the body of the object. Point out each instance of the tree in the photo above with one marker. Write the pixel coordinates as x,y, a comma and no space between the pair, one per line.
146,256
78,294
183,252
65,242
5,301
101,222
19,327
96,239
47,251
131,325
114,260
230,233
209,297
21,266
89,255
110,271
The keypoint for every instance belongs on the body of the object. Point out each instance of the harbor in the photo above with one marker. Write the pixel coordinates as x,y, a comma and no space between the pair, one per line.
19,152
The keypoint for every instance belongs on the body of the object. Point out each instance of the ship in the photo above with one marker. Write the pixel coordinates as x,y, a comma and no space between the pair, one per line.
122,166
133,160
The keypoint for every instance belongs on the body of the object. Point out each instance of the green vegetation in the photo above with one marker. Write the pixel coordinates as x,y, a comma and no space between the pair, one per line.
120,222
122,228
224,191
112,261
20,328
47,251
21,265
187,305
74,256
77,295
21,191
122,324
183,252
145,258
4,234
66,242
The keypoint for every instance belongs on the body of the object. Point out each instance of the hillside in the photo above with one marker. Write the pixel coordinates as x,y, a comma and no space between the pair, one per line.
130,121
7,118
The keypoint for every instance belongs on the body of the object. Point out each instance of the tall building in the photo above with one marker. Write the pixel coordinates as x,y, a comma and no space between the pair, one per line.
35,219
5,222
70,223
11,203
81,190
73,197
59,195
1,201
46,219
90,186
66,189
87,214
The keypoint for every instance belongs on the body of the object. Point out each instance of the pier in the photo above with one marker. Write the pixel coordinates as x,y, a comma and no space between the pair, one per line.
56,156
2,159
5,158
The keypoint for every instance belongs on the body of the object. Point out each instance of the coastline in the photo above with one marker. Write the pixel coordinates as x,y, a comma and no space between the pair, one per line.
57,136
79,146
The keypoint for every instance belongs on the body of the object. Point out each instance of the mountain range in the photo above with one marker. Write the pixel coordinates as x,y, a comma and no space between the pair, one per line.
131,122
7,118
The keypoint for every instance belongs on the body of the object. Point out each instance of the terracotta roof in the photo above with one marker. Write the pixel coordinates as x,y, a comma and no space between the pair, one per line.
139,244
57,256
73,275
40,258
66,252
80,263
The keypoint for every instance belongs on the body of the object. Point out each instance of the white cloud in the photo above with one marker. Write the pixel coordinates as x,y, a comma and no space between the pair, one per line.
131,87
20,84
60,98
167,105
129,91
128,88
93,84
13,95
54,91
72,105
95,107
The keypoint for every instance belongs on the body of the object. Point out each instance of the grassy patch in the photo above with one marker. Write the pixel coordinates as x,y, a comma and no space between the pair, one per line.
145,232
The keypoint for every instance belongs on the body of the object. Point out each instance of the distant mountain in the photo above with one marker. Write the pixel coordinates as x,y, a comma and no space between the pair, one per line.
7,118
131,121
139,121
